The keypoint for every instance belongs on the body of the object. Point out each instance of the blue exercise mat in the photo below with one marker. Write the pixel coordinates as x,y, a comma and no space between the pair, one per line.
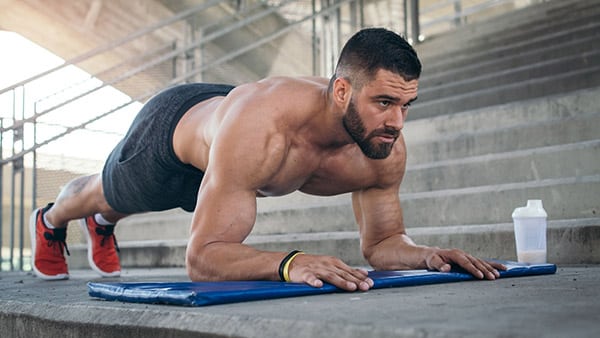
210,293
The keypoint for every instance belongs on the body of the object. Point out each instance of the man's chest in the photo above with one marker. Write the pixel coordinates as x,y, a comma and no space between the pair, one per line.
322,172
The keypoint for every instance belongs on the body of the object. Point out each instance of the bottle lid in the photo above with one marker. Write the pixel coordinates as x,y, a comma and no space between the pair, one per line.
537,204
534,208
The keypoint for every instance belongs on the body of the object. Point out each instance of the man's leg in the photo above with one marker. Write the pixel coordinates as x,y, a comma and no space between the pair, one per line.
82,198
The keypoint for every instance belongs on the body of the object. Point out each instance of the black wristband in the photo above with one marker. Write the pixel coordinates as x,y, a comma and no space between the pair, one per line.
282,264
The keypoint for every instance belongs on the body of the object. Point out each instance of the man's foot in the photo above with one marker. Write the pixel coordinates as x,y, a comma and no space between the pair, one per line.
102,247
47,248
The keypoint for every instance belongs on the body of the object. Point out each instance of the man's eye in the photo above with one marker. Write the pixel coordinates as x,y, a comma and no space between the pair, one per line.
384,103
406,106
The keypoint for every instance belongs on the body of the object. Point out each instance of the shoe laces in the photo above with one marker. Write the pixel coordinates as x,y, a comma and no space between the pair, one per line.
107,231
57,237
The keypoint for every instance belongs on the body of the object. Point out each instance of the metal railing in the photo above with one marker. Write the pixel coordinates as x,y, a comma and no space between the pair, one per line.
191,45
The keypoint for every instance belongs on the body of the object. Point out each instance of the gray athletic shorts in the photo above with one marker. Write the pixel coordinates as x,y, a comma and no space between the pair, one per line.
143,173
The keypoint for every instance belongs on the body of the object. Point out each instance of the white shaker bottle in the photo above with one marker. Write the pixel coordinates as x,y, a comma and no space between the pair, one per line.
530,232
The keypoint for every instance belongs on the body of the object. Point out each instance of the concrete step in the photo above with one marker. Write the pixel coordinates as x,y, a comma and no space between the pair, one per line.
565,198
164,225
465,70
174,224
527,136
456,38
529,29
532,88
565,160
492,71
570,241
509,115
570,197
521,41
510,28
527,72
523,59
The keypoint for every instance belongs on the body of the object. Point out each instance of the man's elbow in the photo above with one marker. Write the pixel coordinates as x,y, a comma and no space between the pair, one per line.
370,254
381,259
196,268
376,263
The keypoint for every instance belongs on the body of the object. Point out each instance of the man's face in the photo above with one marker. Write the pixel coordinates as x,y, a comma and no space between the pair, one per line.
367,143
375,115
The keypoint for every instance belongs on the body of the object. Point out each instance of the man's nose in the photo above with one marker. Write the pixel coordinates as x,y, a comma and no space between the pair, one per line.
396,118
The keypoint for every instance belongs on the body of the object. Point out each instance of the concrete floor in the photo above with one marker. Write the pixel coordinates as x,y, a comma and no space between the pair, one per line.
566,304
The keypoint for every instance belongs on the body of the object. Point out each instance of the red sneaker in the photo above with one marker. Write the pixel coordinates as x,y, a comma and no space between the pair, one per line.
102,247
47,248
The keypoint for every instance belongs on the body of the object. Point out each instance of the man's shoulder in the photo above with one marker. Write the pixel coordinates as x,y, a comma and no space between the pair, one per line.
275,98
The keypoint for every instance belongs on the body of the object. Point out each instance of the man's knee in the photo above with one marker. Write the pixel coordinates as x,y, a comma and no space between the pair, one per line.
99,194
89,188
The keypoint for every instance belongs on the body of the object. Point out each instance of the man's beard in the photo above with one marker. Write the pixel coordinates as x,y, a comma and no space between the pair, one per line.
356,128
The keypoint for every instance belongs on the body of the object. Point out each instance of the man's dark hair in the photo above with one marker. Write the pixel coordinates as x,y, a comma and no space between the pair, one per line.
372,49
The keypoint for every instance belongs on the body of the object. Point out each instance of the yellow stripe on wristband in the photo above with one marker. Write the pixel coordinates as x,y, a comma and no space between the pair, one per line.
286,267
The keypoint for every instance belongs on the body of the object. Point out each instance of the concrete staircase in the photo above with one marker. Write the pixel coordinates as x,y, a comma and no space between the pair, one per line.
541,50
508,110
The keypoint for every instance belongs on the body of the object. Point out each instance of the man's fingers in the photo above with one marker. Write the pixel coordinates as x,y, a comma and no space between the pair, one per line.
498,266
316,280
313,281
477,267
494,267
361,280
348,279
437,263
314,270
353,275
487,270
491,269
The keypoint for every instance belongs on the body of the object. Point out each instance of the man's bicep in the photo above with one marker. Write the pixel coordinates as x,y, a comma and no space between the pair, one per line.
223,214
226,204
243,158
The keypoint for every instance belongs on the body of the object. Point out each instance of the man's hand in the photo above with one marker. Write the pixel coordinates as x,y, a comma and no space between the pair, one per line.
314,270
443,259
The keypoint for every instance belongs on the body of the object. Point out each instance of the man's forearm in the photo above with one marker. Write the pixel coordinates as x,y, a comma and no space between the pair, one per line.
400,252
231,261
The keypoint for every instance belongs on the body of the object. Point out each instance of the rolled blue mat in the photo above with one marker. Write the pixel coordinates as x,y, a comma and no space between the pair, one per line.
211,293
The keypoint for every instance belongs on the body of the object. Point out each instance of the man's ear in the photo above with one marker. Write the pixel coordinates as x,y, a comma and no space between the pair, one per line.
342,92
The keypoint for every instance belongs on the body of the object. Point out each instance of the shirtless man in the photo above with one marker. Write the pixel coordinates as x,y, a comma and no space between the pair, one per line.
213,149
